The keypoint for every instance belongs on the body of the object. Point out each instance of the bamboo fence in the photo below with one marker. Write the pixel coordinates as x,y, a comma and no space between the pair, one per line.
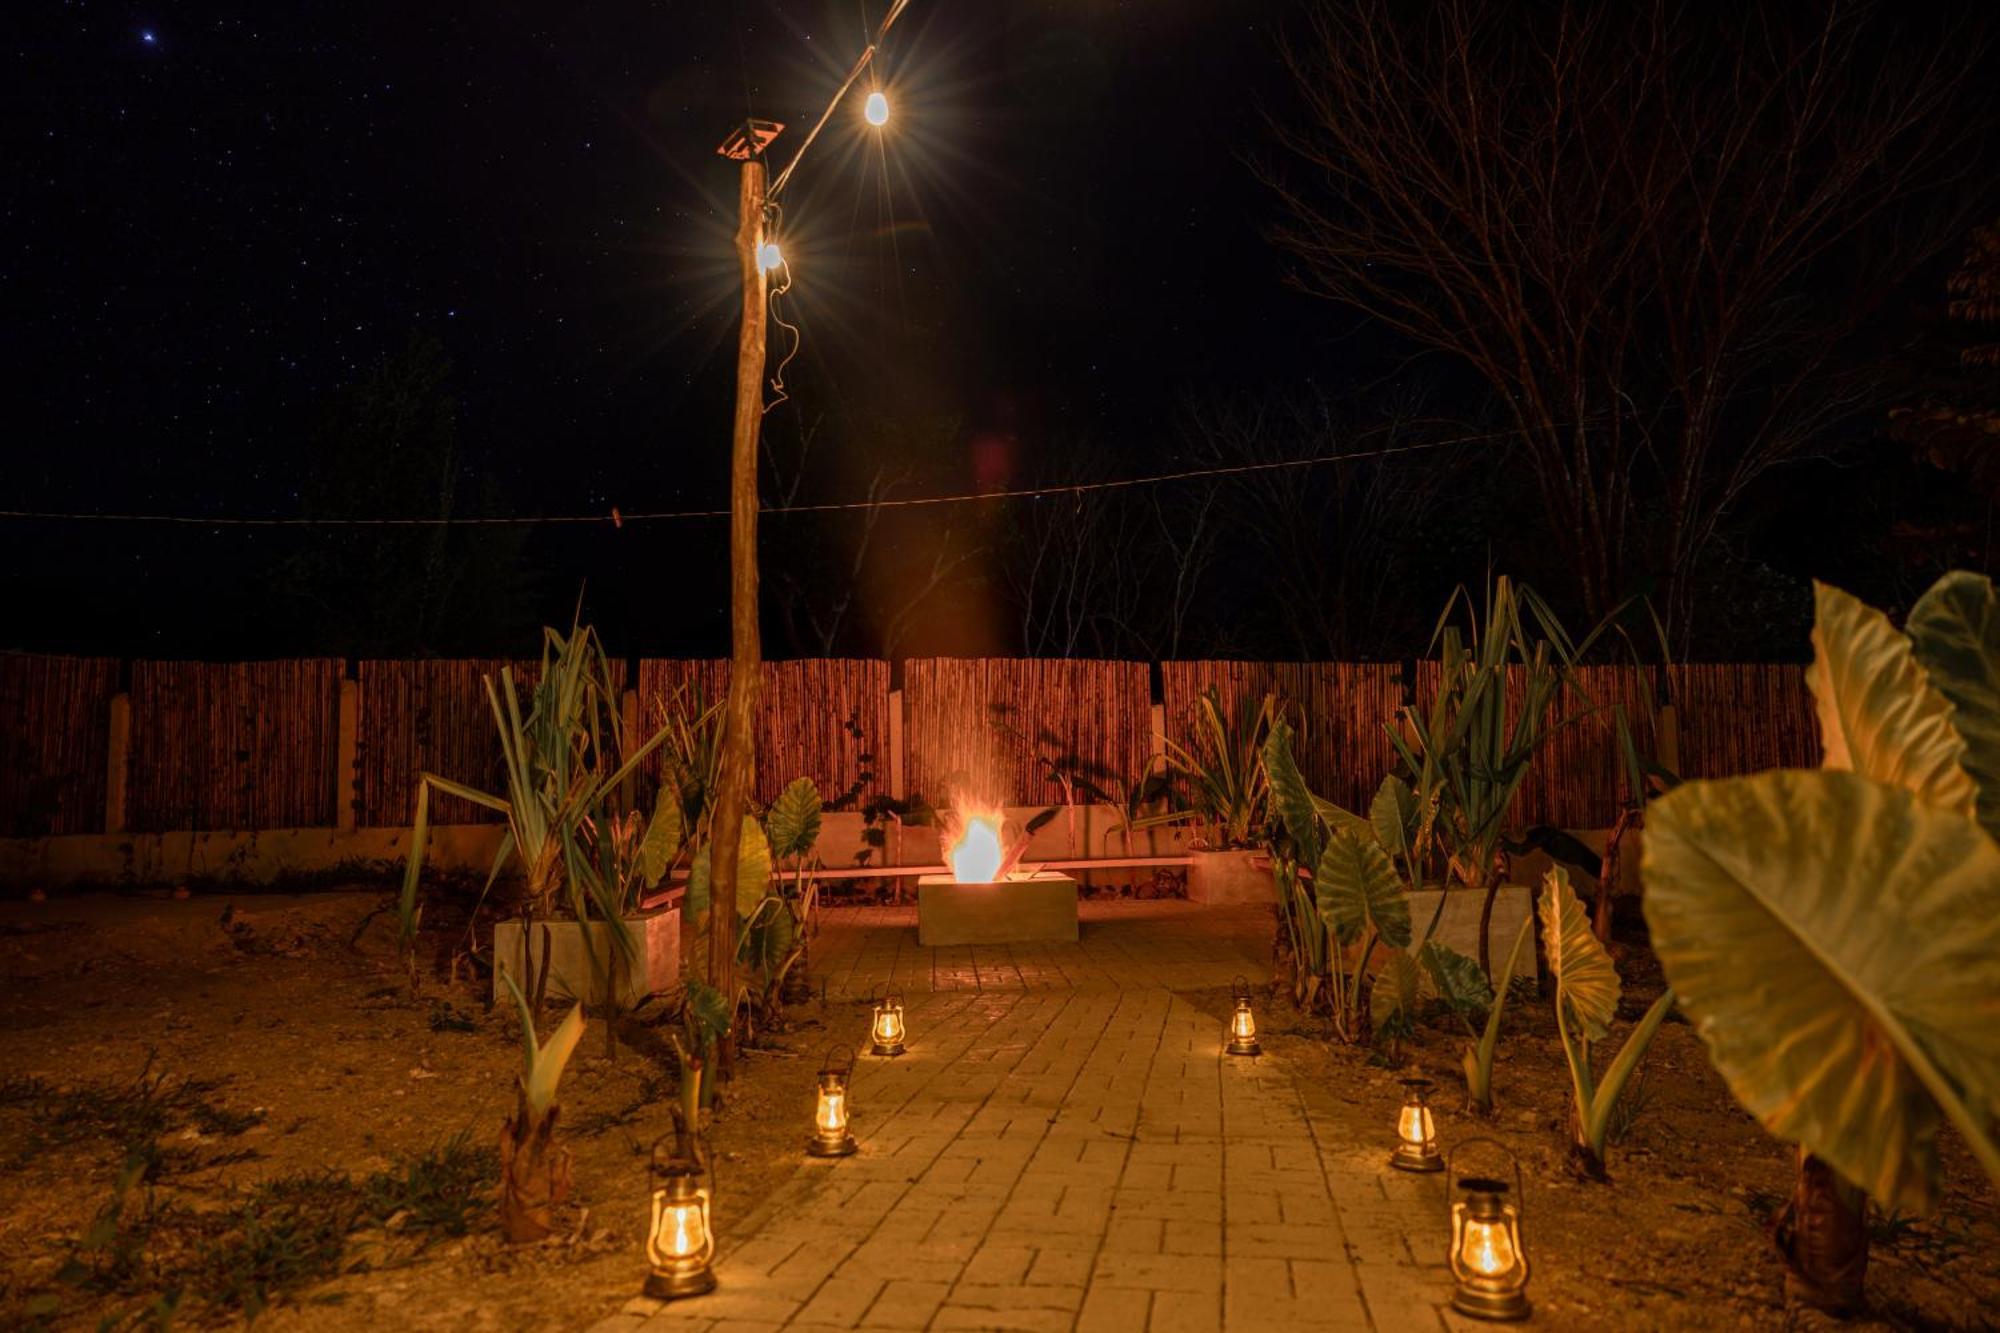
54,743
995,729
252,745
1339,709
821,718
431,717
233,745
1737,718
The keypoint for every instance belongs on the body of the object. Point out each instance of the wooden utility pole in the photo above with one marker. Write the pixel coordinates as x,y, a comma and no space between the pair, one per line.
746,667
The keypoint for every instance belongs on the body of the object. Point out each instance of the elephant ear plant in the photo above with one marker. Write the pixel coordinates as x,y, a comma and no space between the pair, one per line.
772,936
1357,900
1835,934
1587,986
534,1167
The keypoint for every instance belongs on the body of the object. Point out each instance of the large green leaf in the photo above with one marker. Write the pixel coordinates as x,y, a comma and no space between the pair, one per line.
1459,982
1586,981
543,1062
1837,943
698,894
1289,796
1879,714
772,938
793,821
753,867
662,842
1955,631
753,872
1356,888
1391,814
1392,999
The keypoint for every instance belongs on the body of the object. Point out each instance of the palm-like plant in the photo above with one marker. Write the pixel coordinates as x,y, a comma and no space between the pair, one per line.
565,760
1835,934
1227,786
534,1167
1470,747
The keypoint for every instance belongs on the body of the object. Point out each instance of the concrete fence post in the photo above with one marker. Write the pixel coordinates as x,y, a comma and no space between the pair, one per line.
896,767
346,758
117,762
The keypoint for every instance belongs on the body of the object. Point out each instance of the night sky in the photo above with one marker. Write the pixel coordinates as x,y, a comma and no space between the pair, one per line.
222,216
223,222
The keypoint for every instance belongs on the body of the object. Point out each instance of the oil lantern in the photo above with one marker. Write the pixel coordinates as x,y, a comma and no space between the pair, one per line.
1489,1263
1416,1132
888,1026
1242,1022
681,1243
830,1137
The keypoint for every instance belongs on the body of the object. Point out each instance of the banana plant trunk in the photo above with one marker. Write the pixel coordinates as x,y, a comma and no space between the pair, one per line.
534,1174
1822,1232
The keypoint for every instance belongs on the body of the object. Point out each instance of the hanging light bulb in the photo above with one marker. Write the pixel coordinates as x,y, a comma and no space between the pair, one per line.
876,109
769,256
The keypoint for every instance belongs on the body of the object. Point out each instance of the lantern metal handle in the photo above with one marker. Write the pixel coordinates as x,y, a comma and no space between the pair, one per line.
846,1069
1520,1189
688,1146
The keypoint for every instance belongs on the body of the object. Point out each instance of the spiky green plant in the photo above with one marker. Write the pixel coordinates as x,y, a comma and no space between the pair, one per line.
1223,770
534,1167
566,760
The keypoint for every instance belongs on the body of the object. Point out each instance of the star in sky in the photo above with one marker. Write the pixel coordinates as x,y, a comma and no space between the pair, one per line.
148,37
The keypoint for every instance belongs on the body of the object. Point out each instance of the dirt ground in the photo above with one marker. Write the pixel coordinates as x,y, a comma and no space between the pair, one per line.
316,1077
1677,1239
319,1061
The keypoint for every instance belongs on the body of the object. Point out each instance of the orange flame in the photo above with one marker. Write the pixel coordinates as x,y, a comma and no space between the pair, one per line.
977,854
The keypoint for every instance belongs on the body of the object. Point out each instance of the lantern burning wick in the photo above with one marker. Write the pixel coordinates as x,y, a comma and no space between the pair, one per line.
1416,1133
681,1242
887,1029
1488,1260
1242,1022
830,1136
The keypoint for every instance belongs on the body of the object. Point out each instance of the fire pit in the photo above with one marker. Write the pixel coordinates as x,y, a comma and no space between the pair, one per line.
985,900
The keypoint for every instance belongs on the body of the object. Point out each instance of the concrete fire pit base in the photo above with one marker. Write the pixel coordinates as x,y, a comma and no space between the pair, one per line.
1027,908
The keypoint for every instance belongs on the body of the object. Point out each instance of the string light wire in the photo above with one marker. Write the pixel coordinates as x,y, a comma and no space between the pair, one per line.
618,518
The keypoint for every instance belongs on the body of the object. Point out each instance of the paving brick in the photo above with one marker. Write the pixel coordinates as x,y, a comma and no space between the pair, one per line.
1065,1148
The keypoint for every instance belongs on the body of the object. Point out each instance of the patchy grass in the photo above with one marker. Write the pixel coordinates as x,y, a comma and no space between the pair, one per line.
271,1243
129,1117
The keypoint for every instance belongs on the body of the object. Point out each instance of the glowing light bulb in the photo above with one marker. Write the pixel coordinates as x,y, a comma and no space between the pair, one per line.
877,109
769,256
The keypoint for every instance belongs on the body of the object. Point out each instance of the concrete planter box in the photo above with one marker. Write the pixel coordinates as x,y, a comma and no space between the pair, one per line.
656,940
1459,927
1221,878
1021,910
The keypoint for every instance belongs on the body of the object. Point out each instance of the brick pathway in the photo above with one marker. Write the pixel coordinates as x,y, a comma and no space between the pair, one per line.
1065,1147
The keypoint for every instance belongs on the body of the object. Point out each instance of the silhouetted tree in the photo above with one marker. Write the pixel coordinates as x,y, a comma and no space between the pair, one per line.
1655,231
